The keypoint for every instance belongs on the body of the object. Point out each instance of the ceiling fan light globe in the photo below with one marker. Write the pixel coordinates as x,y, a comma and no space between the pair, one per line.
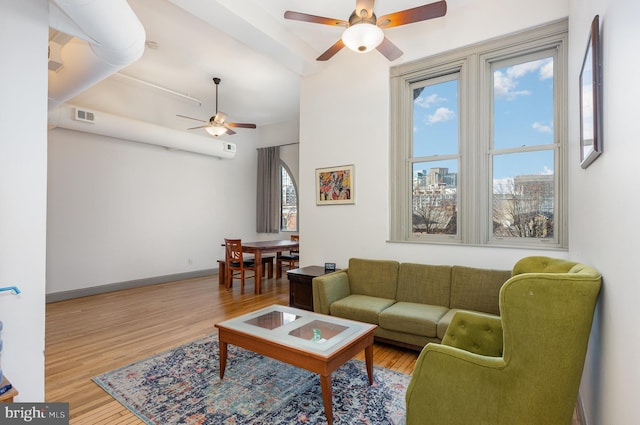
216,131
362,37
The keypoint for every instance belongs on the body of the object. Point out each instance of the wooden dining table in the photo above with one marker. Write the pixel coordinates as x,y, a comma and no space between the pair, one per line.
261,247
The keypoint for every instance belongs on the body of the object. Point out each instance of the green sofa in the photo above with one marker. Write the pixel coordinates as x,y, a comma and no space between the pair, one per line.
412,304
531,375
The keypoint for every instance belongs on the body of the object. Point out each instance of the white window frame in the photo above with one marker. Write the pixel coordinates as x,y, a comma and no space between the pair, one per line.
475,189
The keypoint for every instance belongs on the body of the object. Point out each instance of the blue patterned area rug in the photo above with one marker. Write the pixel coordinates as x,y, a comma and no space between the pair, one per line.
183,386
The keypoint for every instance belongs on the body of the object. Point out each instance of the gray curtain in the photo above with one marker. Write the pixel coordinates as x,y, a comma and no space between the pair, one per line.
268,200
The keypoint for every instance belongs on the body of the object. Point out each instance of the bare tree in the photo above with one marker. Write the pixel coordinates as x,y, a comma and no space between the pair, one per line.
523,207
434,211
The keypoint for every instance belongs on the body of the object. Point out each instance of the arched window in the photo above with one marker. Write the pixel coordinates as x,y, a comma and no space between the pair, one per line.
288,201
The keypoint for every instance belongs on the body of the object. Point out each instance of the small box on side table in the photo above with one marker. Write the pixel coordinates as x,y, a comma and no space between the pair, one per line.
300,289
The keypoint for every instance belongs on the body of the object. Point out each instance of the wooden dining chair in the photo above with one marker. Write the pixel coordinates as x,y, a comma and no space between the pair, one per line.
290,260
236,266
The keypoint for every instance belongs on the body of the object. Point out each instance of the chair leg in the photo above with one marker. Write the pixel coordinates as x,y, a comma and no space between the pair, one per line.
228,275
222,266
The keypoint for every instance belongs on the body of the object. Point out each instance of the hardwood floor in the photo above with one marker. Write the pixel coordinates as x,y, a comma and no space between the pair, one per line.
92,335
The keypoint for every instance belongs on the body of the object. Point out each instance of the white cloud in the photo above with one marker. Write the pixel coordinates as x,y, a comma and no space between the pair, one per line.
506,83
543,128
546,171
505,86
427,102
523,69
546,71
440,115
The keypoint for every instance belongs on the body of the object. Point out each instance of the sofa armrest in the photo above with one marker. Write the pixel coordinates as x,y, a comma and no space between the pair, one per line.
477,333
466,386
328,289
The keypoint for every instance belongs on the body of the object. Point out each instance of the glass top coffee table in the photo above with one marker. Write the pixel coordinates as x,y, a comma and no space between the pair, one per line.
312,341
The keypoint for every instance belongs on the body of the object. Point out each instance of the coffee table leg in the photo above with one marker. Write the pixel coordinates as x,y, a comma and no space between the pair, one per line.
368,354
327,397
223,358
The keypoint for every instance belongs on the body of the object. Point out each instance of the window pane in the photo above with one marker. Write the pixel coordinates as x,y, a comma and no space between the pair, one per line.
523,195
523,104
289,202
434,198
435,119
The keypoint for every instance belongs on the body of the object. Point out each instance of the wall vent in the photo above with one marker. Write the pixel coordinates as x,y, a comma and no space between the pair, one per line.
84,115
229,147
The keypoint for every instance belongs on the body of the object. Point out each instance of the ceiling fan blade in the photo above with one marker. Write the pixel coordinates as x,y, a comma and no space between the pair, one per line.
297,16
328,54
389,50
200,126
189,118
229,131
416,14
239,125
366,5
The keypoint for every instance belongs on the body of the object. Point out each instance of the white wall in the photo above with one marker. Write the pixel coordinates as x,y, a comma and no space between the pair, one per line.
23,184
120,210
344,119
604,209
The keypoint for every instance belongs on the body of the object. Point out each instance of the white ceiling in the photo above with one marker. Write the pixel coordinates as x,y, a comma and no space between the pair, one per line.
259,55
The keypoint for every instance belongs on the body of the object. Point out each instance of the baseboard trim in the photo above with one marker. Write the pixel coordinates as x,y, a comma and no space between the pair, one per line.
110,287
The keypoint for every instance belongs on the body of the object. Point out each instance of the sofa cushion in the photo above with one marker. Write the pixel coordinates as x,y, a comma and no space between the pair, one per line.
375,278
423,283
413,318
362,308
477,289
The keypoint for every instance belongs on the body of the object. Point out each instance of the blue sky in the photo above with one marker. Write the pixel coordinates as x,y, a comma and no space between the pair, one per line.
523,115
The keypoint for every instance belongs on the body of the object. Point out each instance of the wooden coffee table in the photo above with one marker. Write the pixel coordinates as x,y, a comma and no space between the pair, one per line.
311,341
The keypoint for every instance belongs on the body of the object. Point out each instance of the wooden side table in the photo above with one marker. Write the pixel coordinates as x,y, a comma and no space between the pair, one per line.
9,395
300,288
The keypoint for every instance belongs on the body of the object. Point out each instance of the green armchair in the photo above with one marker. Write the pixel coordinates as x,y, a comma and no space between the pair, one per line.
523,368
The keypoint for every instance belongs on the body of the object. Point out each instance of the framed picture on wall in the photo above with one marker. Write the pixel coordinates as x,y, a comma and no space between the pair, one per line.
591,99
334,185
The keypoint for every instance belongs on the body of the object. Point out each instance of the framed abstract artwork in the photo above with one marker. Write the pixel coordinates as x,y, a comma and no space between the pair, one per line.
591,99
334,185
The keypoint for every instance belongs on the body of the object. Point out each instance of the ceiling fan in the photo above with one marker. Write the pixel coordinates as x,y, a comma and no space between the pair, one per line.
217,126
363,31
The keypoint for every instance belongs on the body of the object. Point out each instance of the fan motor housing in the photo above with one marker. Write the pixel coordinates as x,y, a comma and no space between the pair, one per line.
357,19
